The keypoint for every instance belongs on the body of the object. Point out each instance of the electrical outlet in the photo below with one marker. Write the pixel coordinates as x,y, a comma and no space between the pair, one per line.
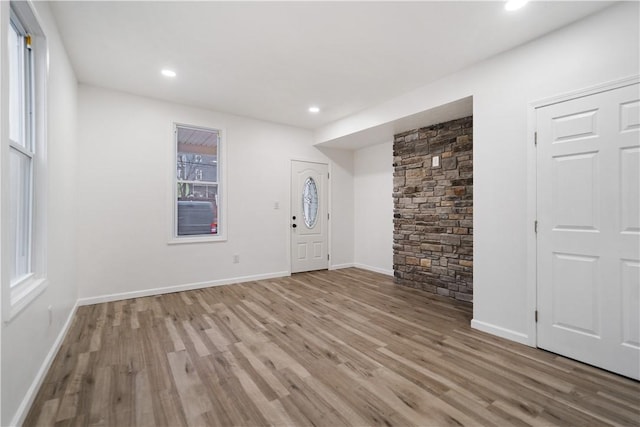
236,259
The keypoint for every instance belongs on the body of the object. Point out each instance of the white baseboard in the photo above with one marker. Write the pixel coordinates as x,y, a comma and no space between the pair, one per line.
339,266
374,269
177,288
501,332
31,393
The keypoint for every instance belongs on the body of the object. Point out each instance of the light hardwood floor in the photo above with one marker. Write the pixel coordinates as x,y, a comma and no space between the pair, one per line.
345,347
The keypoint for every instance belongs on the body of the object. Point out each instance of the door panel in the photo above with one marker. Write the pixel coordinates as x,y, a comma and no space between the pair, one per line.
575,195
575,285
575,126
630,188
630,305
629,116
588,210
309,209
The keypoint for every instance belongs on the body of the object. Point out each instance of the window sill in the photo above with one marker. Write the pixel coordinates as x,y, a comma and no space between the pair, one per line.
196,239
24,293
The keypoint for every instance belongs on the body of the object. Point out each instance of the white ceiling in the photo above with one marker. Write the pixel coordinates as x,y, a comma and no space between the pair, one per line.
272,60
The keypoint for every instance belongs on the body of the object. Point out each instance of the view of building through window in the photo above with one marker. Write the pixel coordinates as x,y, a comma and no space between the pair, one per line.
197,181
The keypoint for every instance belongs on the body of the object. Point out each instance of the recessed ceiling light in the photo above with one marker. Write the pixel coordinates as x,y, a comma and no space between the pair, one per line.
515,4
168,73
314,109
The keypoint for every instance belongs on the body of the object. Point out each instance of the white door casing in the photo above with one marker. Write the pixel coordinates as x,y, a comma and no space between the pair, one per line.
588,242
309,214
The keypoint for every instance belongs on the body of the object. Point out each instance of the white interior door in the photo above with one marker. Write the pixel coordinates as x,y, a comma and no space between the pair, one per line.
588,201
309,249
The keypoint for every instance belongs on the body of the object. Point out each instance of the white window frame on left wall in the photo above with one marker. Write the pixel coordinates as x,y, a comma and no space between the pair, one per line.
18,293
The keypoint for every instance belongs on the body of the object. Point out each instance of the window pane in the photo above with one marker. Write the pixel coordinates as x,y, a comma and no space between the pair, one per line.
197,209
197,157
310,202
16,87
20,216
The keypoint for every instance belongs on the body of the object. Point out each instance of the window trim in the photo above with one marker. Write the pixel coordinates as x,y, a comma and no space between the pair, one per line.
174,239
17,296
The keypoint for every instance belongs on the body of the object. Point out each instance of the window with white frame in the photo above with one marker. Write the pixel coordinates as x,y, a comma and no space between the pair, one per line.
21,150
25,234
197,198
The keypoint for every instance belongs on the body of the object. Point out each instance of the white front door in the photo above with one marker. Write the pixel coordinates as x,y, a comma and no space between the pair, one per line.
309,249
588,249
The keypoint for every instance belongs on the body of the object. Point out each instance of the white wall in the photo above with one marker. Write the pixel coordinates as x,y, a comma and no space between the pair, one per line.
28,341
124,215
600,48
373,208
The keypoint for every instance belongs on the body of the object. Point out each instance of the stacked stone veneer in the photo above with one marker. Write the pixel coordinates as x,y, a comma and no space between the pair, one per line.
433,209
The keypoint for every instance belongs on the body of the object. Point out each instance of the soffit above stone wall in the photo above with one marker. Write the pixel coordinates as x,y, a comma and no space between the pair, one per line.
385,132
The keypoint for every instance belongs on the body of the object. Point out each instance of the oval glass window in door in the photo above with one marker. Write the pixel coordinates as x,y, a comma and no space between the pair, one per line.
310,202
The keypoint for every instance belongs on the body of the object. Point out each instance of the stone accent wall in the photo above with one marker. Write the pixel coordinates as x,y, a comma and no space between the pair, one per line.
433,209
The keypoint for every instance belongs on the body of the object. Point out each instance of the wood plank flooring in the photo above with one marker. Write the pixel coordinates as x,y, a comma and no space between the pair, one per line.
327,348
